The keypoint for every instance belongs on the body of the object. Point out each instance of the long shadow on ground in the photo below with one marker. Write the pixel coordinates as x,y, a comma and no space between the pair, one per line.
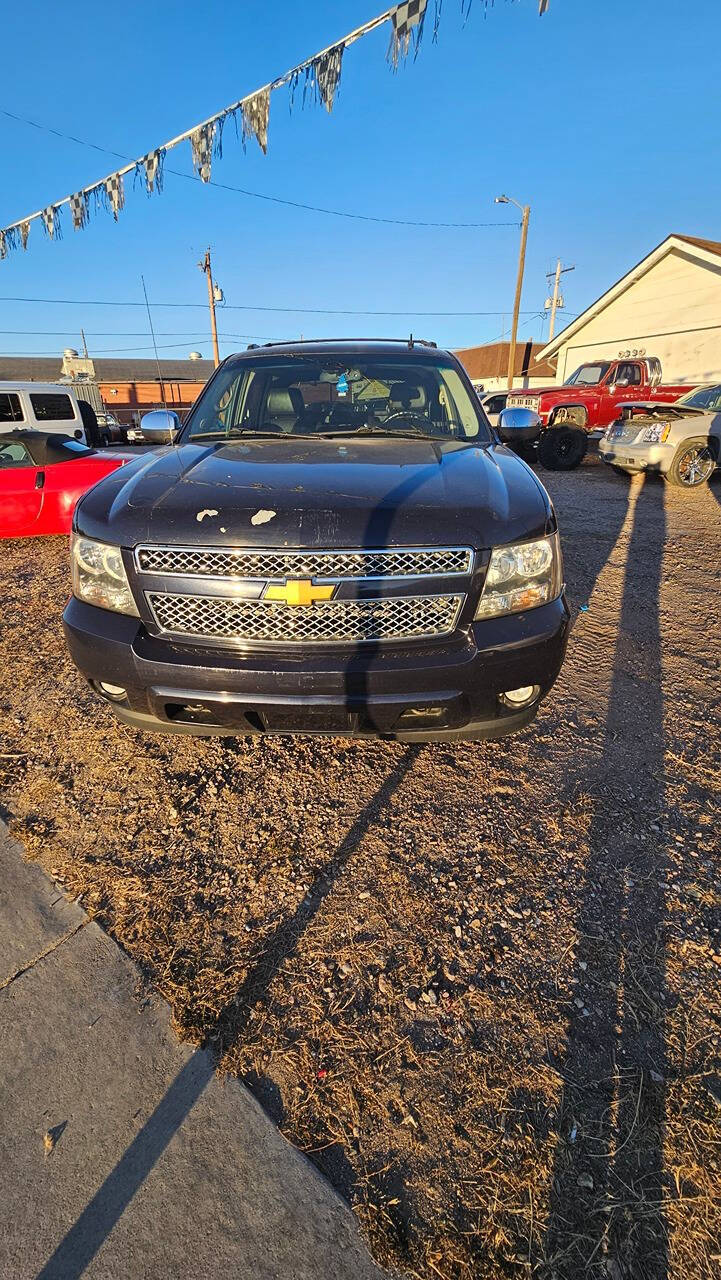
82,1242
606,1211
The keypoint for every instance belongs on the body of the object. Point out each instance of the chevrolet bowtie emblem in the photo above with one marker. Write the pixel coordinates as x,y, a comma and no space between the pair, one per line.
298,592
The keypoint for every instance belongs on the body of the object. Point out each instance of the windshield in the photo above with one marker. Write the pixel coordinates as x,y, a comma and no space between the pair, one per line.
307,395
703,398
589,374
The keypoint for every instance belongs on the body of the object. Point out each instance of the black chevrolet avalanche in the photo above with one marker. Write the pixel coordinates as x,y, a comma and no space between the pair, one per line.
336,542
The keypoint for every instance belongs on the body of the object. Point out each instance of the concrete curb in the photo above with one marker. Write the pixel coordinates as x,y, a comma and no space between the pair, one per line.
157,1168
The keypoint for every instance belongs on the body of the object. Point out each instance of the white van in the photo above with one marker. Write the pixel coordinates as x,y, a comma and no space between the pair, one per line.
40,406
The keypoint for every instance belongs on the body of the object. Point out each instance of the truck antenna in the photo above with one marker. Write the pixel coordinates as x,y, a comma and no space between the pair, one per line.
154,346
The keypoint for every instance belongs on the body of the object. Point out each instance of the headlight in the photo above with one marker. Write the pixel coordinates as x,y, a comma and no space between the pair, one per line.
521,576
656,434
99,575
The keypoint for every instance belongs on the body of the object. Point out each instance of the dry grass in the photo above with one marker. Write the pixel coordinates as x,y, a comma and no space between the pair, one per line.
477,984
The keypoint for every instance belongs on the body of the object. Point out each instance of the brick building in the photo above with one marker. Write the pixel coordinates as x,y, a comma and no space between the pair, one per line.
127,388
487,366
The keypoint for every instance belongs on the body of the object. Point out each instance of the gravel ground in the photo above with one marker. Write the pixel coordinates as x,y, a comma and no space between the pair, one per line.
477,983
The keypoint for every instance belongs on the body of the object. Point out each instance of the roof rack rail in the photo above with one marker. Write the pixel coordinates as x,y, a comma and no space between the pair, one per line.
307,342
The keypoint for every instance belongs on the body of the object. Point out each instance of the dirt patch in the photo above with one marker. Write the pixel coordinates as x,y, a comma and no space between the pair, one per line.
477,984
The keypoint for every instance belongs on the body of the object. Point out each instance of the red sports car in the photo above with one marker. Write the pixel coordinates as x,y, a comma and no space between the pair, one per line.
42,476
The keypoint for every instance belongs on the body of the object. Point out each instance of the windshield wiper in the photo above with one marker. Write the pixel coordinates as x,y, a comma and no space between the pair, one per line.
237,432
378,431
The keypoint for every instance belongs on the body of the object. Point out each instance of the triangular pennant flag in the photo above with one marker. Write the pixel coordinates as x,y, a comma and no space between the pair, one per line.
115,193
3,245
79,210
48,216
24,233
201,143
153,166
542,7
255,113
327,71
407,19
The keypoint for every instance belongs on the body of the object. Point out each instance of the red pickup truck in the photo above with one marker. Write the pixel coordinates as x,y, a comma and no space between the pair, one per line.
588,400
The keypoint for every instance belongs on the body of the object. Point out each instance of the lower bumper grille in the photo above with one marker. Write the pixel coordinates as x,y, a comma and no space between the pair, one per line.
326,622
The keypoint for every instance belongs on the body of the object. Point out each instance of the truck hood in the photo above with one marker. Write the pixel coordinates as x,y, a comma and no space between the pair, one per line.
561,389
661,408
306,492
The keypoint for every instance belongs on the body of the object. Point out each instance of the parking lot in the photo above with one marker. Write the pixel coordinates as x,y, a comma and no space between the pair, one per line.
477,984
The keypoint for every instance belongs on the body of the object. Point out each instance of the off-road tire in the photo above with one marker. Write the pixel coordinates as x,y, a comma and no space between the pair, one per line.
562,448
693,465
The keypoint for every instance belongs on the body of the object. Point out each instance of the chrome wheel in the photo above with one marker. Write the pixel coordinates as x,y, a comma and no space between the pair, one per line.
695,466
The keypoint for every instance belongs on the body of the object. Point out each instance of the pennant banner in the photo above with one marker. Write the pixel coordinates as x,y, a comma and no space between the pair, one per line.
321,75
79,210
201,145
327,69
51,222
152,166
114,193
255,115
407,22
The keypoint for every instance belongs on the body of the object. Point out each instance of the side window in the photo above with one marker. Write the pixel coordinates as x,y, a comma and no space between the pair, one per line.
10,409
630,373
219,411
14,454
52,407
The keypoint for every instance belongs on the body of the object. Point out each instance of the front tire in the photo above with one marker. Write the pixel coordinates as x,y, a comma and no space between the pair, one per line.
692,466
562,448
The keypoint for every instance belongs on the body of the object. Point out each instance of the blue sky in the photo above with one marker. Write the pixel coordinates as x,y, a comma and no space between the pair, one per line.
603,115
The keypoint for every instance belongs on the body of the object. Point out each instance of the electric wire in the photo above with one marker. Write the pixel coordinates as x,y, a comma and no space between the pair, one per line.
258,195
230,306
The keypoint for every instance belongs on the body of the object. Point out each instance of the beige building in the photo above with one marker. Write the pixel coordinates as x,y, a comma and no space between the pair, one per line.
669,306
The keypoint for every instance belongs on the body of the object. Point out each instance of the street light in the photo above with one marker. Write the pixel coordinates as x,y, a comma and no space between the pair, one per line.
526,212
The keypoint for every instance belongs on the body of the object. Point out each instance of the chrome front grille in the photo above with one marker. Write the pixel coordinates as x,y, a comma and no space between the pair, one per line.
357,621
219,562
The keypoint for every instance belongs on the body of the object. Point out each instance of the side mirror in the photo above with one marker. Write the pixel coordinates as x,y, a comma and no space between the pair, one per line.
621,382
160,426
519,426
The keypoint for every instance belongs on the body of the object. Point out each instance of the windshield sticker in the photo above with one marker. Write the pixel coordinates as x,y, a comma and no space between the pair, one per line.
341,385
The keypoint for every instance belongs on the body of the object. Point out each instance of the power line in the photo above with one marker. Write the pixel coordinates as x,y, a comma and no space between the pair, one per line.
227,306
108,351
258,195
112,333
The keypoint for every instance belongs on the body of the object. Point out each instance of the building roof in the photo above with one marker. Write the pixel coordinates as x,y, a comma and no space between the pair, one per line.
712,246
50,369
705,251
147,370
491,361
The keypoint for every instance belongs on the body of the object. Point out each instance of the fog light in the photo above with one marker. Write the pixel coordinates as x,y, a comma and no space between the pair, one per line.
521,697
115,692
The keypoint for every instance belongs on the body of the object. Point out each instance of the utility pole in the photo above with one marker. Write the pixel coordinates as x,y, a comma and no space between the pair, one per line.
526,213
206,267
560,270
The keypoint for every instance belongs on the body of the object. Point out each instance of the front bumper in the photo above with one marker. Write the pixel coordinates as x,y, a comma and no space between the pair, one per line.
412,693
633,456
